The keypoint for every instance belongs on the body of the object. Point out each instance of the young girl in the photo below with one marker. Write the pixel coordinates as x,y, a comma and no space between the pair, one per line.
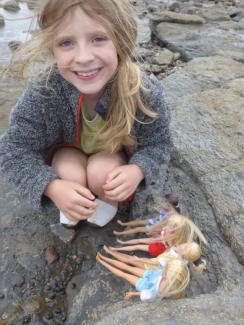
91,123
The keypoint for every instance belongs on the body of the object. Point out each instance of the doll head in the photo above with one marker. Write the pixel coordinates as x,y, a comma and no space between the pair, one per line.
177,229
175,280
189,251
192,252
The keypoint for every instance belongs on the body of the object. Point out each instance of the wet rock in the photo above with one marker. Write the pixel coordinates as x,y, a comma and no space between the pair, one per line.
214,109
172,17
237,15
51,255
64,234
17,280
11,5
2,21
185,39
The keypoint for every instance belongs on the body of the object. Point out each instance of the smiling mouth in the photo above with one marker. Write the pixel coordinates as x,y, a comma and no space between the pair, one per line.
87,74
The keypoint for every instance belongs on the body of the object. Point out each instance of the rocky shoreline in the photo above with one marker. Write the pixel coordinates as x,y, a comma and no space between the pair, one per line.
51,277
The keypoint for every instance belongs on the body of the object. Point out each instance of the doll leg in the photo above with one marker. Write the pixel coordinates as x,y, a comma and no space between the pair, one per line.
123,266
136,241
133,223
133,260
130,231
131,248
132,279
104,163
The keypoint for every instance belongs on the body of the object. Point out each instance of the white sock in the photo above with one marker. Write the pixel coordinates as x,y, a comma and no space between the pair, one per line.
66,221
104,213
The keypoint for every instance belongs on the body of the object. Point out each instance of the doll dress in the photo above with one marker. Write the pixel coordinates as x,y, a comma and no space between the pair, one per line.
149,283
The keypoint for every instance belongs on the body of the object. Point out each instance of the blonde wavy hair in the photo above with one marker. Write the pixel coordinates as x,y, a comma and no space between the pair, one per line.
180,230
118,19
176,279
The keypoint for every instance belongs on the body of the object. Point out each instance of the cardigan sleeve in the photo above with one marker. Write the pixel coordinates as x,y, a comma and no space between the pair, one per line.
22,146
154,141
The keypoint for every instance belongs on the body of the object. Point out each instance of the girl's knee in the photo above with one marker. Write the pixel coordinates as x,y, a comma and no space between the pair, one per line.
99,166
70,164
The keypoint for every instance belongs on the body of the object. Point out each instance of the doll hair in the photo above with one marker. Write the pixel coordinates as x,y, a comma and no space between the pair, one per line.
178,278
118,19
180,230
192,252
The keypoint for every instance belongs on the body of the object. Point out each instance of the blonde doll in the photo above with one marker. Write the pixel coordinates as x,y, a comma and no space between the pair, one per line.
190,252
169,281
174,230
90,110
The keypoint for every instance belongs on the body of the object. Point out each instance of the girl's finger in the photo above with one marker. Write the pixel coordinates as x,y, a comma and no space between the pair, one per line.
85,192
116,182
113,174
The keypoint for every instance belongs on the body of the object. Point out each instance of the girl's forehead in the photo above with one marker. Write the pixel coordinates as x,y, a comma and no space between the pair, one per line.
76,19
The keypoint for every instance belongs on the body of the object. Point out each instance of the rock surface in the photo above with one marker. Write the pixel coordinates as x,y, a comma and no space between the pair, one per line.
206,171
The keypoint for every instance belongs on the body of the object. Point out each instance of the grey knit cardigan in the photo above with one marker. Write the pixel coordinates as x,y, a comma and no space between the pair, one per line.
45,117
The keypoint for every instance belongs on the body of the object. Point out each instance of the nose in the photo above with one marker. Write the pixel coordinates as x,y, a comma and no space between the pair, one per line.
84,54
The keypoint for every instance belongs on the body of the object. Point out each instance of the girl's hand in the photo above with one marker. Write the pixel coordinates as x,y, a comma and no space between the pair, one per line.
73,199
122,182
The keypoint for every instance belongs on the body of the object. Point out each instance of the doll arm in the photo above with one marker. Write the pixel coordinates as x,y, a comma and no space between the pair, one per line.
133,223
136,241
131,294
130,231
131,248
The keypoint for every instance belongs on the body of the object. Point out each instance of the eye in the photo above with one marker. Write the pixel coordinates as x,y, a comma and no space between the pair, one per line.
65,43
99,39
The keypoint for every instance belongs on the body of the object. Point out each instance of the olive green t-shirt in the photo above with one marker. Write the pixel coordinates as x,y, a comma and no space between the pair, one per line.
89,129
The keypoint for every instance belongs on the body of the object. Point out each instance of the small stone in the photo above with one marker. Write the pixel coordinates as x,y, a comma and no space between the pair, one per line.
4,316
64,234
26,319
14,45
2,296
175,6
73,285
51,255
11,5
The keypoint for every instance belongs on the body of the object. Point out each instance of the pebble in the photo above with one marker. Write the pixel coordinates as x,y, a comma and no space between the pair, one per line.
51,255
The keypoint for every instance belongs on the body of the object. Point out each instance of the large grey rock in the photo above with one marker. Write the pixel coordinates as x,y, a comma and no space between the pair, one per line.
199,41
207,100
173,17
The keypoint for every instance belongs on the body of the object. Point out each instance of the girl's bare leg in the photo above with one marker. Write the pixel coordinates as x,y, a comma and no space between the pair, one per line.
132,279
70,164
133,223
99,166
133,260
123,266
131,248
130,231
136,241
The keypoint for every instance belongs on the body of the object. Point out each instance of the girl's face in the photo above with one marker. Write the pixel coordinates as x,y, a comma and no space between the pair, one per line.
85,55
